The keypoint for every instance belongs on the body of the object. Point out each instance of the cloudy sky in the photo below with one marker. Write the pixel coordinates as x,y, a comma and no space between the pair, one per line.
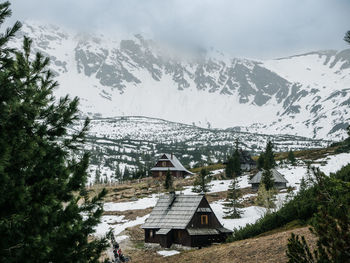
245,28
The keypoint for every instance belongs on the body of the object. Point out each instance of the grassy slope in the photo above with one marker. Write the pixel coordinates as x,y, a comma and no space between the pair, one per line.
270,248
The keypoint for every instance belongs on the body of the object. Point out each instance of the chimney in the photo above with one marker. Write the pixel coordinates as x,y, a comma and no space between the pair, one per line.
172,198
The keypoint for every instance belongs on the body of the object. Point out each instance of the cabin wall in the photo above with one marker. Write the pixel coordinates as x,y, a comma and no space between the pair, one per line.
280,185
276,185
255,186
167,164
150,236
177,174
166,240
195,222
181,237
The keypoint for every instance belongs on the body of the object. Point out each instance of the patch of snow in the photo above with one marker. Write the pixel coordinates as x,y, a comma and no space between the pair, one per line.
218,185
249,216
334,163
219,171
167,253
106,224
121,238
107,221
142,203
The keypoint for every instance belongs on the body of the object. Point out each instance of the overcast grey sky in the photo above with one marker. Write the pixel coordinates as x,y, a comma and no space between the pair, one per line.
244,28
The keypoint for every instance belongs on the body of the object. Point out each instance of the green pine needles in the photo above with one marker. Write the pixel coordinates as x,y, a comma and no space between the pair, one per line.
233,202
201,183
168,184
331,223
46,214
233,167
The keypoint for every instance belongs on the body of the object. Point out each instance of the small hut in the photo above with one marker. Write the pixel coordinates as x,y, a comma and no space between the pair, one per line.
246,161
169,162
279,181
187,220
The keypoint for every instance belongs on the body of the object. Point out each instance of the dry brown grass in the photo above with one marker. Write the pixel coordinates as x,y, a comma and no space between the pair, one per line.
137,188
130,214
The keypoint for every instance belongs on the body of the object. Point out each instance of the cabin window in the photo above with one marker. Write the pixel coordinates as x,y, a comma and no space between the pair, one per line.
163,164
204,219
151,233
160,173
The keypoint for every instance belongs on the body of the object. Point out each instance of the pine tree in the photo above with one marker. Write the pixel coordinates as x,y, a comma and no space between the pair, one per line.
229,169
269,159
46,214
168,184
126,175
330,224
201,184
269,163
261,161
97,176
236,163
233,204
117,173
347,39
291,157
267,179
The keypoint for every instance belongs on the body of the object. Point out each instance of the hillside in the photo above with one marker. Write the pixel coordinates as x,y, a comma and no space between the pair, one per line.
136,142
128,206
271,248
305,95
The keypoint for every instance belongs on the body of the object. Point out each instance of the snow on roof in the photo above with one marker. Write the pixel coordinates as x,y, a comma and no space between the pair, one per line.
175,162
277,177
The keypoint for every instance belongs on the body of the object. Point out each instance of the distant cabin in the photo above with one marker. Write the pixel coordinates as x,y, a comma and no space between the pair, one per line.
247,163
171,163
187,220
279,181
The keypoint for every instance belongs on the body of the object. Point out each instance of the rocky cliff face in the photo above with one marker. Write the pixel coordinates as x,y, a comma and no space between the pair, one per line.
307,95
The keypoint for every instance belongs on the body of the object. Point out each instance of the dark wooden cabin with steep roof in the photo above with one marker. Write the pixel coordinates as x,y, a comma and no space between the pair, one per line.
171,163
187,220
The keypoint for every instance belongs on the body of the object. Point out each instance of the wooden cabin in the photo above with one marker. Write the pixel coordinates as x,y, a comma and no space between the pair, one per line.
279,181
187,220
247,163
169,162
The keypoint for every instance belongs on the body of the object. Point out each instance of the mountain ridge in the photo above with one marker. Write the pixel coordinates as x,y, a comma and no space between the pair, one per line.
306,94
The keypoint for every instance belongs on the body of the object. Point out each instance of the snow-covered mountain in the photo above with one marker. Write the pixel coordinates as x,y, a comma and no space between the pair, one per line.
306,95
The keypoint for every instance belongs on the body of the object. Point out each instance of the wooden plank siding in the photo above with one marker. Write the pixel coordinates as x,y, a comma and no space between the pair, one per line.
161,174
195,222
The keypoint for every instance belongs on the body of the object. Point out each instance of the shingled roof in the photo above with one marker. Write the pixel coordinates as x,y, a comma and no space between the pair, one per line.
277,177
177,166
173,211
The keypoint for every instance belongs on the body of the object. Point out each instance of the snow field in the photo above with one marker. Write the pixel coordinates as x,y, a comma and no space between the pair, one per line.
142,203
